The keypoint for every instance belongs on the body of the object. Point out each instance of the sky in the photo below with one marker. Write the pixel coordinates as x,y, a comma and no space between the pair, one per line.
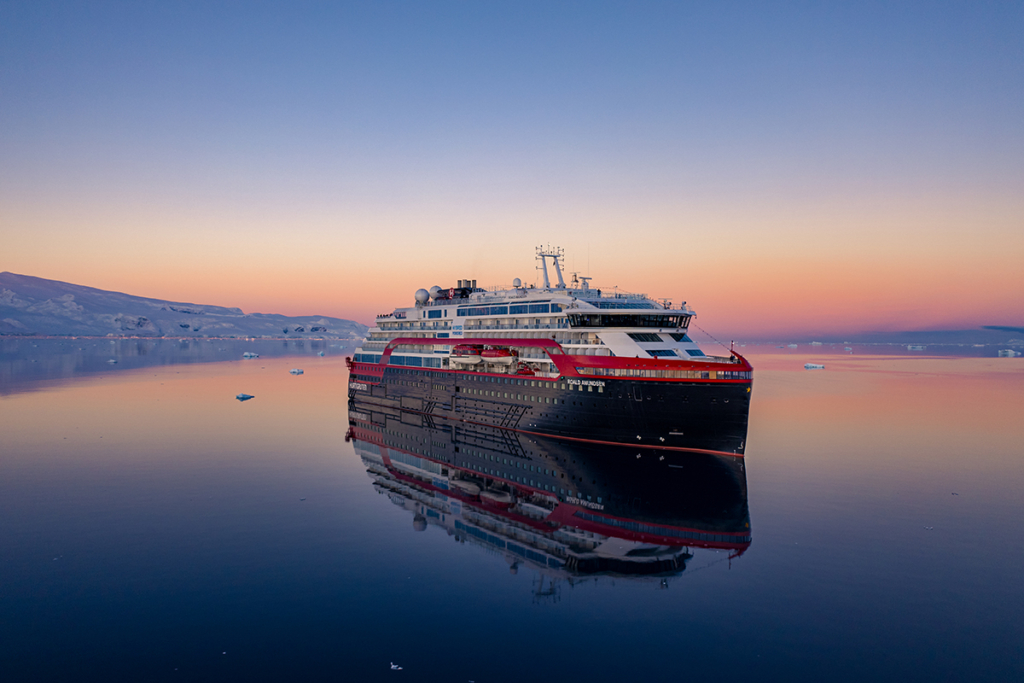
785,168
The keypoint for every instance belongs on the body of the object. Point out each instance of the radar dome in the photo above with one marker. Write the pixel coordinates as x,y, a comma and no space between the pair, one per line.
434,291
517,283
422,296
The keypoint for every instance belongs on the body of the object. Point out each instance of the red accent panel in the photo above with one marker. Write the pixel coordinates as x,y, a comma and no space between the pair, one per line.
567,363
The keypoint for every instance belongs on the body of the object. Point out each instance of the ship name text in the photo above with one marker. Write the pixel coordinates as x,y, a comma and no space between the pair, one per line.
586,382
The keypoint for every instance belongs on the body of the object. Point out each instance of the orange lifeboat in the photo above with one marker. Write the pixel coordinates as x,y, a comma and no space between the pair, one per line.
499,355
467,354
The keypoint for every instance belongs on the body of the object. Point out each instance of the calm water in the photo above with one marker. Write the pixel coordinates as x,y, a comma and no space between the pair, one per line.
154,528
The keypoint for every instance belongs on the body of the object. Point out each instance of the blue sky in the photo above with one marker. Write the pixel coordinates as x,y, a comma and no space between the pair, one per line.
294,121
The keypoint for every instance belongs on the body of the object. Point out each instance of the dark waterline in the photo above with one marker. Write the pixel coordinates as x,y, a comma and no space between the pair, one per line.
149,522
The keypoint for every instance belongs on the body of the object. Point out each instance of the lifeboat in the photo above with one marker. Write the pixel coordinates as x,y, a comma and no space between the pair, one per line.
499,355
500,499
468,354
466,487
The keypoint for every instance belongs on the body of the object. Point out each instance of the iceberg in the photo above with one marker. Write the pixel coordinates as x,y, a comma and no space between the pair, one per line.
296,371
244,397
813,366
250,354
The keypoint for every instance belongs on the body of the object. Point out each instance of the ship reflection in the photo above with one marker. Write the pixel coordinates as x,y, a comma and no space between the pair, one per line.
569,511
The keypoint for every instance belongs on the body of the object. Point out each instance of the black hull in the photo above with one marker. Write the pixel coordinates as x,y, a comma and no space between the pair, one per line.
701,416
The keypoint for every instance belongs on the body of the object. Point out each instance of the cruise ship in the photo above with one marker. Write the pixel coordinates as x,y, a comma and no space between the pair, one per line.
567,510
565,360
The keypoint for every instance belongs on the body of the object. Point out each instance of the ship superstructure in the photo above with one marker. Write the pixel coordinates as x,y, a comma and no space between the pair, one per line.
565,360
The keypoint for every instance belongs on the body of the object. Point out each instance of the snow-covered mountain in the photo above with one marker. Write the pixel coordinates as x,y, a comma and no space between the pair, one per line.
32,305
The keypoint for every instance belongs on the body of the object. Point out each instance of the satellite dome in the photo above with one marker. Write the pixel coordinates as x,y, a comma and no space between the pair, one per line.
517,283
422,296
434,291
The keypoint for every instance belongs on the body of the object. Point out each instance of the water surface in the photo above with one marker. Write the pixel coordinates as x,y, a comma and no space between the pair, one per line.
154,528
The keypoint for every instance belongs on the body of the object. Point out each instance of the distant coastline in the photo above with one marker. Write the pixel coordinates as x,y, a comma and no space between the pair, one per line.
36,307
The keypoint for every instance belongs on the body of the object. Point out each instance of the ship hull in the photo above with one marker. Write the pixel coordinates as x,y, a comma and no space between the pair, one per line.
697,416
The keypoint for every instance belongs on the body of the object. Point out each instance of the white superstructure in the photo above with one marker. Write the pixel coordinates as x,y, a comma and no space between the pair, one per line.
582,319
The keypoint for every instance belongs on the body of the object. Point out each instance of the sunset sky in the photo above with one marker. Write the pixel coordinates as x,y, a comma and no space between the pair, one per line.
784,168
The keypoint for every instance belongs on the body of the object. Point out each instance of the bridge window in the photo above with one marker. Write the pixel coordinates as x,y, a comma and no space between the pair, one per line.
627,320
644,337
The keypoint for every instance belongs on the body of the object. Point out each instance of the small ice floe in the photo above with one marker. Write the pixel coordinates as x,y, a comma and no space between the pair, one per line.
320,354
847,348
244,397
112,361
296,371
813,366
395,667
1008,353
250,354
929,528
790,346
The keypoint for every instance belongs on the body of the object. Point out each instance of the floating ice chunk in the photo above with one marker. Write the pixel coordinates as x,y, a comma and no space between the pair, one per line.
244,397
250,354
320,354
395,667
813,366
296,371
112,361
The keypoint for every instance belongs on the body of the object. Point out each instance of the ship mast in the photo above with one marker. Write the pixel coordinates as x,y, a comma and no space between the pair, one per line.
554,255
